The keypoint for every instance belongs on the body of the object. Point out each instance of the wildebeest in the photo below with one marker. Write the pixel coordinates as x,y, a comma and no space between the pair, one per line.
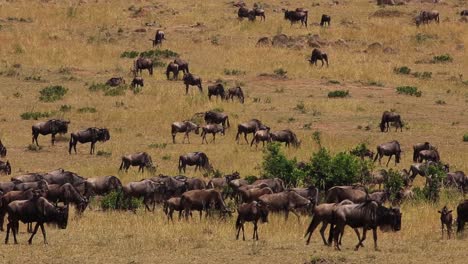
462,215
171,205
355,194
67,194
286,201
362,153
216,90
184,127
311,193
457,179
286,136
276,184
222,184
446,219
429,155
244,12
296,16
144,188
464,13
61,177
387,118
202,200
211,129
115,81
192,183
41,185
378,177
3,150
144,64
172,186
5,167
14,196
30,177
104,184
318,55
53,126
183,65
141,159
388,149
250,195
326,19
197,159
368,215
137,82
261,135
158,38
251,212
421,169
174,69
236,92
249,127
428,16
92,134
212,117
6,187
420,146
192,80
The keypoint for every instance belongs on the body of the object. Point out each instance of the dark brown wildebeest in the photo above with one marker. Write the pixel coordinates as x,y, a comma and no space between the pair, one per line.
115,81
390,117
183,65
5,167
249,127
236,92
462,215
287,201
202,200
250,195
137,82
144,188
422,169
192,80
144,64
38,210
261,135
184,127
192,183
61,177
216,90
171,205
41,185
355,194
286,136
221,184
104,184
211,129
367,215
53,126
420,146
174,69
464,13
311,193
318,55
3,150
11,196
276,184
67,194
388,149
197,159
429,155
428,16
244,12
6,187
251,212
172,186
326,19
92,134
362,153
446,219
295,16
457,179
212,117
158,38
141,159
30,177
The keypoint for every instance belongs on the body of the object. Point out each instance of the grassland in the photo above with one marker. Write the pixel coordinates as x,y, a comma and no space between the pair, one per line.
76,44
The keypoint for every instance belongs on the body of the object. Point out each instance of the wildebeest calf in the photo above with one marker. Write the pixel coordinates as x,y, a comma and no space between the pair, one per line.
446,219
326,19
251,212
318,55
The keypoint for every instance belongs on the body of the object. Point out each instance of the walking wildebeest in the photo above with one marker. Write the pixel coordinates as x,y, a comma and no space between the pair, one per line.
251,212
388,117
197,159
144,188
158,38
462,215
420,146
3,150
53,126
192,183
388,149
295,16
92,134
202,200
457,179
211,129
174,69
144,64
368,215
286,201
171,205
236,92
141,159
429,155
446,219
192,80
286,136
249,127
261,135
326,19
61,177
5,167
184,127
318,55
115,81
183,65
276,184
212,117
310,193
421,169
428,16
216,90
137,82
11,196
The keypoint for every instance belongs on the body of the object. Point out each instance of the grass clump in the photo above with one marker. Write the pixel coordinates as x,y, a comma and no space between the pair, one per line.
87,110
402,70
108,90
409,90
158,145
442,58
338,94
34,115
233,72
103,153
423,75
52,93
280,72
465,138
65,108
34,147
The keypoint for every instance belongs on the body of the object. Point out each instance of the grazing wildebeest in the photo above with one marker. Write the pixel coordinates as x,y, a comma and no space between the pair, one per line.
249,127
212,117
259,12
389,149
318,55
192,80
378,177
115,81
144,64
429,155
464,13
197,159
326,19
183,65
420,146
276,184
67,194
236,92
191,183
251,212
184,127
216,90
158,38
137,82
296,16
286,136
172,186
53,126
202,200
221,184
462,215
311,193
92,134
3,150
367,215
286,201
387,118
30,177
211,129
144,188
446,219
171,205
355,194
261,135
104,184
5,167
250,195
244,12
174,69
457,179
141,159
428,16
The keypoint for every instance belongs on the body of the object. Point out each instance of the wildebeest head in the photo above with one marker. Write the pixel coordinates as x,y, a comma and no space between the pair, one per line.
7,168
263,210
103,134
444,211
62,217
390,218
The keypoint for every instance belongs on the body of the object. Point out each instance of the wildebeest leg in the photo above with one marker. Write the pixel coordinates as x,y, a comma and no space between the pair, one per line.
375,238
91,151
8,233
358,236
322,62
313,224
53,139
364,232
34,233
245,137
322,233
336,234
186,89
43,233
255,234
214,137
389,160
203,137
442,228
173,138
238,231
2,218
295,213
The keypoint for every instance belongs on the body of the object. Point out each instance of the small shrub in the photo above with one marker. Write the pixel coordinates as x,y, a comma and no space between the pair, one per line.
421,37
280,72
116,91
300,107
65,108
233,72
442,58
103,153
291,119
129,54
251,179
87,110
402,70
338,94
64,70
215,40
34,147
36,78
256,99
434,182
307,126
268,100
423,75
393,183
158,145
409,90
52,93
440,102
109,202
465,138
34,115
166,157
275,164
218,109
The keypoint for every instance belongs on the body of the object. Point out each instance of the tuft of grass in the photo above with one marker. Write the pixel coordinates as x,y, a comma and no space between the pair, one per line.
86,109
234,72
300,106
338,94
409,90
442,58
103,153
166,157
108,90
465,138
158,145
65,108
35,78
280,72
34,147
440,102
423,75
402,70
334,82
376,83
52,93
34,115
279,90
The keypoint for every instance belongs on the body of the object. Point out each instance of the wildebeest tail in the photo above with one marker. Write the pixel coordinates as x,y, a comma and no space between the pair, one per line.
70,144
238,222
306,17
227,122
121,164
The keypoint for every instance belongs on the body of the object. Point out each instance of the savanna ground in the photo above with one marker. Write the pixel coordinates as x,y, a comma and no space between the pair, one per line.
76,44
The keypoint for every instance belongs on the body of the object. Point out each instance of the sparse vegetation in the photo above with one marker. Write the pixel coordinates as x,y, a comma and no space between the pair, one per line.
409,90
465,138
103,153
34,115
402,70
233,72
52,93
65,108
86,109
338,94
442,58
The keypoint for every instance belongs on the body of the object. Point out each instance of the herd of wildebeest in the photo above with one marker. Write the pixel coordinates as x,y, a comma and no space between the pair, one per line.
34,197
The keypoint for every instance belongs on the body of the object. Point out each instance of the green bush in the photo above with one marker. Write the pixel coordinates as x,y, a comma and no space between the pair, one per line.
109,202
34,115
393,184
276,165
52,93
338,94
103,153
434,180
465,138
442,58
108,90
423,75
280,72
251,179
409,90
402,70
129,54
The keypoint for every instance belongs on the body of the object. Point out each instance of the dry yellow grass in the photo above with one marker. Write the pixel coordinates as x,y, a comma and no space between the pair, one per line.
85,38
